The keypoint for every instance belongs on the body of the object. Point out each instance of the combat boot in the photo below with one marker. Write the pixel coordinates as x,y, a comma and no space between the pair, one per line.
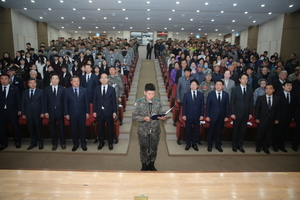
144,167
151,167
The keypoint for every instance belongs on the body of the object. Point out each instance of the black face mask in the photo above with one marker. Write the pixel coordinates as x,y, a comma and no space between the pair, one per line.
124,53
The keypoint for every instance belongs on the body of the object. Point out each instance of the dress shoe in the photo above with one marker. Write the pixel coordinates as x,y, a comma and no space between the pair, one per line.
54,147
151,167
144,167
266,151
283,149
2,147
258,149
41,146
110,147
101,145
241,149
209,149
63,146
195,147
187,147
31,146
219,149
295,148
234,149
275,149
84,148
74,148
18,145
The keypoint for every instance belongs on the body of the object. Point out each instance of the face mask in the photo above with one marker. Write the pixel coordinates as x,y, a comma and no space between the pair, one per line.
124,53
205,66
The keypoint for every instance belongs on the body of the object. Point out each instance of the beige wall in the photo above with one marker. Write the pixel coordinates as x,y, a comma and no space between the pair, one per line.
6,33
42,32
252,36
290,35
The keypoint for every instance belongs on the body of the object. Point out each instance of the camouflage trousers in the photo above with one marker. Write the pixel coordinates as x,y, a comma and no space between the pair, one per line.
144,140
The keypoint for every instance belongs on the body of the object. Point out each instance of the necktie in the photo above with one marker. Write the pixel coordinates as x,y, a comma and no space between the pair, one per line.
54,91
194,96
31,94
76,94
4,92
244,92
269,102
288,97
219,98
103,92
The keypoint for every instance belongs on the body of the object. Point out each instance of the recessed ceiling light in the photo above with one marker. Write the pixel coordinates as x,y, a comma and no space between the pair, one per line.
148,18
98,9
3,0
220,34
197,10
206,3
173,10
61,1
254,21
32,1
90,1
114,27
90,31
148,2
177,33
191,20
216,29
212,20
232,30
270,13
75,31
222,11
79,27
119,1
177,2
104,17
123,9
165,28
192,33
104,31
96,27
62,27
263,5
205,34
246,13
148,9
72,22
291,6
130,27
41,17
62,17
199,29
49,9
126,17
83,17
170,18
182,28
233,20
74,8
148,27
234,4
25,8
119,31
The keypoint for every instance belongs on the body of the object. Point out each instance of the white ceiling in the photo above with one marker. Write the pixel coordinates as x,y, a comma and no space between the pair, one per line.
184,17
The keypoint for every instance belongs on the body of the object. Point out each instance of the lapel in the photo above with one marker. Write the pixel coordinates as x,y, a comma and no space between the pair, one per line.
9,91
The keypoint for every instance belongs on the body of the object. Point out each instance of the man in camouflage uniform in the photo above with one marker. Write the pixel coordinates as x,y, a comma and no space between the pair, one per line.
148,130
116,82
206,86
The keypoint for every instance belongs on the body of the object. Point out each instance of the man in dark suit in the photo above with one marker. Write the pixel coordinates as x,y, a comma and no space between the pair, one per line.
39,83
89,81
241,111
217,112
149,49
76,106
54,110
16,81
105,110
33,110
279,82
192,113
287,105
266,115
10,109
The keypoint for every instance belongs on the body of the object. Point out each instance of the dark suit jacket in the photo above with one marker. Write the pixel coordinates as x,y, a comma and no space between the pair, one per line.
277,85
77,72
179,74
76,106
18,82
106,70
214,110
149,47
35,107
81,62
12,101
241,105
90,86
54,104
262,111
65,81
109,102
193,109
296,87
287,109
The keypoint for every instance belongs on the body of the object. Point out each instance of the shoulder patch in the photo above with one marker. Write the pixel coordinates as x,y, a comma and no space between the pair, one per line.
157,99
139,99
